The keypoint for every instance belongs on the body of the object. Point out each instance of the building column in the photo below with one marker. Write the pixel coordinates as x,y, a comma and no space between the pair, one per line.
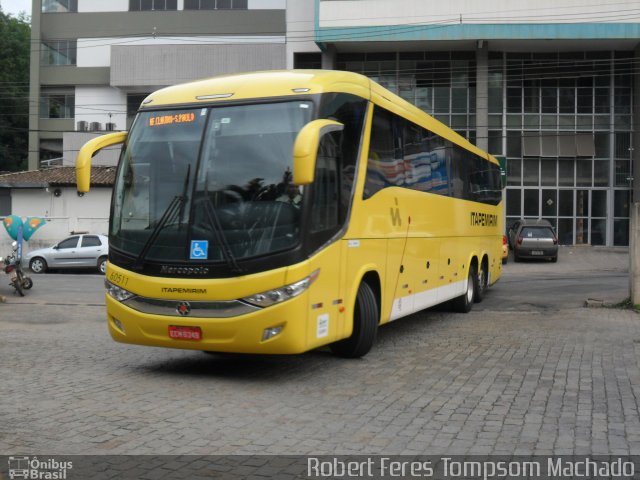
482,95
33,154
329,58
635,140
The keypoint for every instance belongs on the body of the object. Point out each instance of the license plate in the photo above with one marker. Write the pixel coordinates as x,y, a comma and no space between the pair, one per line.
537,252
185,333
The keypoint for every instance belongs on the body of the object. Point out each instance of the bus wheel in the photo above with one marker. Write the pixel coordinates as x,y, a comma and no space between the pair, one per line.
365,326
482,280
464,302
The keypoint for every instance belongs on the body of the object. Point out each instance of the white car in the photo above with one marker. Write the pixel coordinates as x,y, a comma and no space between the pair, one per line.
76,251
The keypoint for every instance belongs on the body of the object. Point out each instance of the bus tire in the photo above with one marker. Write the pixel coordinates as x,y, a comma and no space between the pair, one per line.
365,326
482,280
464,302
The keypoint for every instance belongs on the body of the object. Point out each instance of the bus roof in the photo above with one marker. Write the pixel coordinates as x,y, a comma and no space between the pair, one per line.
276,83
283,83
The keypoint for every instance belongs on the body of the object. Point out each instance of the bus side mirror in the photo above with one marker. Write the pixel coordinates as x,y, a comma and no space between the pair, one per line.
305,149
86,153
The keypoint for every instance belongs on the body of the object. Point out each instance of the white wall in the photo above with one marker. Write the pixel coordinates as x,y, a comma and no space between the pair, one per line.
123,5
300,28
96,52
352,13
102,104
64,214
103,6
267,4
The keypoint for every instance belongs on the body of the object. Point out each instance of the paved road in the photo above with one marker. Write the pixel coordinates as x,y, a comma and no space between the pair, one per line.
513,376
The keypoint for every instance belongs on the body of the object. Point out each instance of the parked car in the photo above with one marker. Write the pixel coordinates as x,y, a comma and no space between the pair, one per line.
535,239
511,233
76,251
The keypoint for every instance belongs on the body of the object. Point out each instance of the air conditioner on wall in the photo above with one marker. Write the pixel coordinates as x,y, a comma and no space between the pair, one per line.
82,126
95,126
110,126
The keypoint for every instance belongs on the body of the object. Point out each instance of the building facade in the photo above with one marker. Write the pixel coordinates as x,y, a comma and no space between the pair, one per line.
93,61
551,87
548,86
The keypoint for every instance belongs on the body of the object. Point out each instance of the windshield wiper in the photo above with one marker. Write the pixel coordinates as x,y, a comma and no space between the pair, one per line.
214,221
175,207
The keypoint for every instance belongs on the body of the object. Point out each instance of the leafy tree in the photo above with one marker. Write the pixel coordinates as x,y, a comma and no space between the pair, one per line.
15,45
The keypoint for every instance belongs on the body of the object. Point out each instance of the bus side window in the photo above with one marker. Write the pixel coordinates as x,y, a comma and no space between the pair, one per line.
385,167
326,189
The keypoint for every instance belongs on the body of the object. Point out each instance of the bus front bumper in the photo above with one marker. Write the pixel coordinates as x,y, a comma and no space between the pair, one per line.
245,333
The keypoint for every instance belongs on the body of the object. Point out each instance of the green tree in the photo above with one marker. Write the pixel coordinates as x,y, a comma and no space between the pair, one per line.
15,41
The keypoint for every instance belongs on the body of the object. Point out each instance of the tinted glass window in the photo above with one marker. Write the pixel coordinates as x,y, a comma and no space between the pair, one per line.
91,241
403,154
324,210
424,160
536,232
350,111
384,168
70,242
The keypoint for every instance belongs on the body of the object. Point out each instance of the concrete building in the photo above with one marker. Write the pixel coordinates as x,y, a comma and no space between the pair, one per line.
93,61
51,193
549,85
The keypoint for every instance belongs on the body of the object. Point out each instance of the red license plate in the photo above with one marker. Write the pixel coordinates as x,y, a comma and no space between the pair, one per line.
185,333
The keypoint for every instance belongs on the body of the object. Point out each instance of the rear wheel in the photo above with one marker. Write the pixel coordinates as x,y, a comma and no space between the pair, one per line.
554,259
365,326
464,302
482,280
27,283
38,265
17,283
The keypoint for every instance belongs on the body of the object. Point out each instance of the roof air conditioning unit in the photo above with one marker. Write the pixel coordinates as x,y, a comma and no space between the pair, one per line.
95,126
82,126
110,126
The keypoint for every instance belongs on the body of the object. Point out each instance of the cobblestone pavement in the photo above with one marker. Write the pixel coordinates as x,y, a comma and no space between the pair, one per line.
565,381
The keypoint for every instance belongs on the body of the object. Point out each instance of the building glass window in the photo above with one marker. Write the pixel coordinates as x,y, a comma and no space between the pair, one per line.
563,120
155,5
215,4
58,52
57,105
59,6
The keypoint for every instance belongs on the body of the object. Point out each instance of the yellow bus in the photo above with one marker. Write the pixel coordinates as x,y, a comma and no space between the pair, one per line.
277,212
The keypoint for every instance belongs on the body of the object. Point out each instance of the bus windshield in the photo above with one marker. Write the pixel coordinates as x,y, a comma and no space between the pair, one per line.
209,184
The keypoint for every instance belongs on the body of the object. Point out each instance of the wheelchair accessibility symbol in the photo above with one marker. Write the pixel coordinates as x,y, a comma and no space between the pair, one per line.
199,249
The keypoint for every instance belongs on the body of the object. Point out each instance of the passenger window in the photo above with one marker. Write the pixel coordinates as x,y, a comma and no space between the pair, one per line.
326,189
385,166
91,241
70,242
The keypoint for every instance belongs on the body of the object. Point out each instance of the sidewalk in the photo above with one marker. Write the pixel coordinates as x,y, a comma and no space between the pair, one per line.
578,259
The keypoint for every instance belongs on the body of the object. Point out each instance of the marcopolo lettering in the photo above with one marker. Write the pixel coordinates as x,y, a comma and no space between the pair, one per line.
479,219
184,270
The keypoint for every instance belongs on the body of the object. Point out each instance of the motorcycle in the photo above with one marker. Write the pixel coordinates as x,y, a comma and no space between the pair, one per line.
12,267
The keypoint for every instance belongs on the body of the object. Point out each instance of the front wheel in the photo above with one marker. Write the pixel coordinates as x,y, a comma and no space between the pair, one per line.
27,283
102,265
464,302
365,326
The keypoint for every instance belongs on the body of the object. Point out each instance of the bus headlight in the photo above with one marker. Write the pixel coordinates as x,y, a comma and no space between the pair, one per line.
277,295
120,294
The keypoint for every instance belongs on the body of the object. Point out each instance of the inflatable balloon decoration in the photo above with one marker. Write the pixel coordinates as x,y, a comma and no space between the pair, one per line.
22,231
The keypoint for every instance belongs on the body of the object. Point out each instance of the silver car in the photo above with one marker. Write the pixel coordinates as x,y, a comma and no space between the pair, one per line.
535,239
76,251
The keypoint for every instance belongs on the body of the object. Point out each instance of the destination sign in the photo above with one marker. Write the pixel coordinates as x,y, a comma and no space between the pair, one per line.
176,118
